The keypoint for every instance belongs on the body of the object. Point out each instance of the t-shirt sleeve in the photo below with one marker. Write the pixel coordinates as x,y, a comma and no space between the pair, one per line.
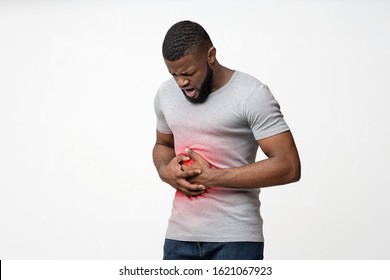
263,113
162,125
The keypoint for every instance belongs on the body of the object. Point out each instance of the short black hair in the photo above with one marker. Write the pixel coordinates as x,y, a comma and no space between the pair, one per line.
183,38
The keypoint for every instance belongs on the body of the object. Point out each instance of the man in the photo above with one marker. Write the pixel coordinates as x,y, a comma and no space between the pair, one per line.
210,122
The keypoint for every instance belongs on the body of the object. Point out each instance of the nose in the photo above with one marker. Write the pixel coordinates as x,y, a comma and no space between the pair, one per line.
182,81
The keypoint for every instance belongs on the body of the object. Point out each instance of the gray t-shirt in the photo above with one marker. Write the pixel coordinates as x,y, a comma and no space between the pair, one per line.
224,131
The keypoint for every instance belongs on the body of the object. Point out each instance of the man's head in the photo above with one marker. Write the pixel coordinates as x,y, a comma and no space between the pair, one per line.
189,53
183,38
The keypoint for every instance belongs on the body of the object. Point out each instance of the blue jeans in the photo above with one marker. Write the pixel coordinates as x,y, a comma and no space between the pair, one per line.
183,250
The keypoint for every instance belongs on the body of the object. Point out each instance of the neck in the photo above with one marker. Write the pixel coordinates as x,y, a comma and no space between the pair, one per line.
221,76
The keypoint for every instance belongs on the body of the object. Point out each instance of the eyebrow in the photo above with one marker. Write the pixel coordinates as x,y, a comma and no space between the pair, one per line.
184,73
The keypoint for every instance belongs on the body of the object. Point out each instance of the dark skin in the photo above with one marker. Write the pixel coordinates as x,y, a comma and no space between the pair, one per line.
282,165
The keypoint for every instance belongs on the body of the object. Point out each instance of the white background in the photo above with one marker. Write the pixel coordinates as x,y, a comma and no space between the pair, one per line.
77,126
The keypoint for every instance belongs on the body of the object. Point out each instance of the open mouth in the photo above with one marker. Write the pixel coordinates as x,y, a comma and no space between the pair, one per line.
190,92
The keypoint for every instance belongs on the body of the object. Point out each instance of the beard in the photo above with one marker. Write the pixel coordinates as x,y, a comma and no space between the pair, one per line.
205,88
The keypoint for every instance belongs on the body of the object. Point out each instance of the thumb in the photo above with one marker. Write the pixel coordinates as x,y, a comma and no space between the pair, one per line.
191,153
197,157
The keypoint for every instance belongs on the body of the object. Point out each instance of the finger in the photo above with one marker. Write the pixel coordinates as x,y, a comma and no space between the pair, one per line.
184,184
188,173
186,167
195,156
190,189
190,193
181,158
191,153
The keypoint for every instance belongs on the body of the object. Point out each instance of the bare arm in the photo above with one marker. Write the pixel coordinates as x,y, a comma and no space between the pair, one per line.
281,167
168,166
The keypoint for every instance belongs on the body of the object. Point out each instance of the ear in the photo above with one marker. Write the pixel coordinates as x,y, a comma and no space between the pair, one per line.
211,55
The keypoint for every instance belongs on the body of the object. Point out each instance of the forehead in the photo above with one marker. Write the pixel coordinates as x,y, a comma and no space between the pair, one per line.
185,63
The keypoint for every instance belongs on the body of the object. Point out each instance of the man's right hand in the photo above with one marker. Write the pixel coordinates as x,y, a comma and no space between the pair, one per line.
173,175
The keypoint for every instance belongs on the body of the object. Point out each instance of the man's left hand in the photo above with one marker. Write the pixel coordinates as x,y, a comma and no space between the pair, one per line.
198,163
